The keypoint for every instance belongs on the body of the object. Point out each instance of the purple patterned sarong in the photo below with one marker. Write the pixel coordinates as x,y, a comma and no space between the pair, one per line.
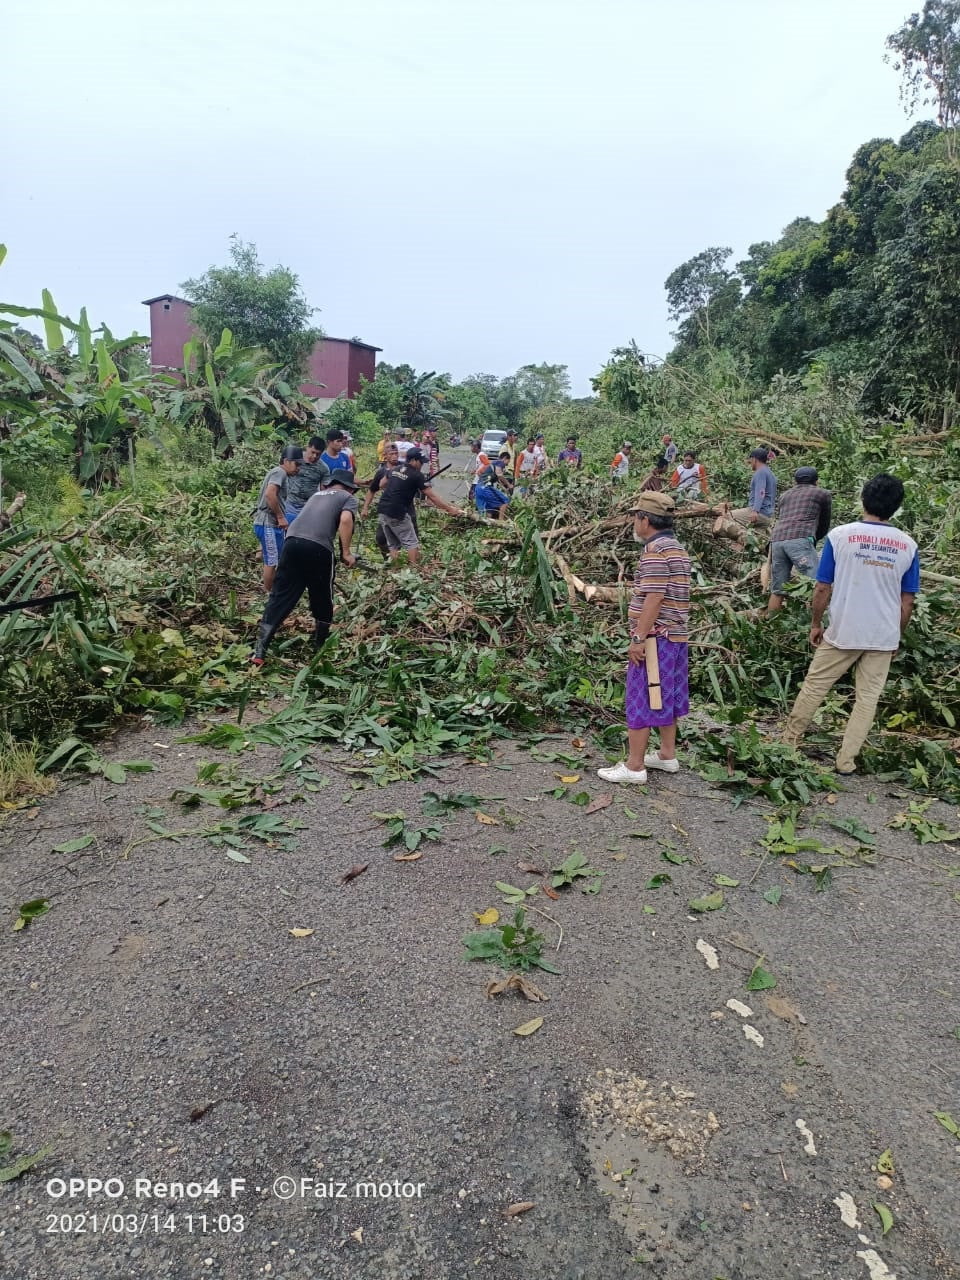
674,689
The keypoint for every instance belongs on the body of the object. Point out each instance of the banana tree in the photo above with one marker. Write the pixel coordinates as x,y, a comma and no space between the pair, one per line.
231,391
421,397
88,396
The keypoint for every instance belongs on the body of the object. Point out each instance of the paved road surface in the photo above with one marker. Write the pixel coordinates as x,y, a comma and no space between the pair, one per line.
161,1021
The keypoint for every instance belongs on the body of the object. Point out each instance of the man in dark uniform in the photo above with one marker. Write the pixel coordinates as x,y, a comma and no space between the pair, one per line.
399,490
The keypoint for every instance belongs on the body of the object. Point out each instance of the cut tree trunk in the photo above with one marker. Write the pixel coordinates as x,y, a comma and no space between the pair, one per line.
6,517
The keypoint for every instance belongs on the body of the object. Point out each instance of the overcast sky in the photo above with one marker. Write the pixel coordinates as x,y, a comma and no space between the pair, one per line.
469,185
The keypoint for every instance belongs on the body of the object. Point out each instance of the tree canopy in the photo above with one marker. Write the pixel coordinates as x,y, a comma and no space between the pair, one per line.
261,308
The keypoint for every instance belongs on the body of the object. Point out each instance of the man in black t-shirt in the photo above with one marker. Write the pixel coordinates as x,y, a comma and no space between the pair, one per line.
307,560
391,459
399,489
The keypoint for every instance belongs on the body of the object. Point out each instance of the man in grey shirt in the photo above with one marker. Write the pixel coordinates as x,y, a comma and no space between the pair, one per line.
307,561
269,515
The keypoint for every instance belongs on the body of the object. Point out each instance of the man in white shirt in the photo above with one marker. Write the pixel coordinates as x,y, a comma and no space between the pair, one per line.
869,573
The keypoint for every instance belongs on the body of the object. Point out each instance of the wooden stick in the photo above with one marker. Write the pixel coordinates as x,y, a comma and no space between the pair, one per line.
653,673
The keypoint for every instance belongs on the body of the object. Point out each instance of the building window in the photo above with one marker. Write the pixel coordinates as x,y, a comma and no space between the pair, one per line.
166,306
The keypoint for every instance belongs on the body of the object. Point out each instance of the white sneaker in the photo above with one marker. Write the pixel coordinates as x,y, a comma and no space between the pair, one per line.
654,762
620,773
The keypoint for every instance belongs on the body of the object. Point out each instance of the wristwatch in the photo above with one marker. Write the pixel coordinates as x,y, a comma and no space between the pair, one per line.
638,639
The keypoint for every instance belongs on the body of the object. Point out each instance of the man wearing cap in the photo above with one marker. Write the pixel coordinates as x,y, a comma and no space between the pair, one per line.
312,473
307,560
490,499
620,466
269,515
763,493
399,490
658,621
803,520
391,459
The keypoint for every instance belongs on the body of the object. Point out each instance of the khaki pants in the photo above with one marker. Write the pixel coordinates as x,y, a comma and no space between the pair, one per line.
828,665
744,515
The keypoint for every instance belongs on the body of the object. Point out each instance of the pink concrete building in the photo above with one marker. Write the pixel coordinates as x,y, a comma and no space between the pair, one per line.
334,369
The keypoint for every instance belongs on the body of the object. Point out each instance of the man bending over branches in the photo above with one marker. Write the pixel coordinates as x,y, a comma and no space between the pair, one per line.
307,561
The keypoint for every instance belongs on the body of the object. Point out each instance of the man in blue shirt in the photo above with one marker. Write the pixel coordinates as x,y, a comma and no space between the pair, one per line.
335,455
763,493
869,574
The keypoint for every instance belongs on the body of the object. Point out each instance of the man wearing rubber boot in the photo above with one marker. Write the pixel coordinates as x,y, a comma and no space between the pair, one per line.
307,561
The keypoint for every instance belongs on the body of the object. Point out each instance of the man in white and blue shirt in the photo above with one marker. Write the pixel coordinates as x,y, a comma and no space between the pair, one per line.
869,574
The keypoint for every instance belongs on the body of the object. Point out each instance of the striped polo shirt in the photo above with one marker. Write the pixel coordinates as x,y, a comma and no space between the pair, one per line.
664,568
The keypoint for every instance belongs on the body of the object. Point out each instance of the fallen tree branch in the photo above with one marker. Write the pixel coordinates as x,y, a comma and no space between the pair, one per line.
17,505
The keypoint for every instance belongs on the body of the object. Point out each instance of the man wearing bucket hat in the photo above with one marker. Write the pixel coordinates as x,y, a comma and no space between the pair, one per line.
307,561
657,689
803,520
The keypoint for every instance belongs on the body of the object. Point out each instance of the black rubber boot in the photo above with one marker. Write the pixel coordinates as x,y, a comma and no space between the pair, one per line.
264,636
320,635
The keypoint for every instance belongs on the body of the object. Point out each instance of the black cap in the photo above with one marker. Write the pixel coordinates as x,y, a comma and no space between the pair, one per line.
760,454
414,455
341,475
806,475
292,453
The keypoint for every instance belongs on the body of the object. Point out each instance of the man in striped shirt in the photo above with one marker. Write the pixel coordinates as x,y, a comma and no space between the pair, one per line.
658,609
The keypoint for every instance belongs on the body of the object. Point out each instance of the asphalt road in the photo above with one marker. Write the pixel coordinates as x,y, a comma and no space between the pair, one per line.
161,1021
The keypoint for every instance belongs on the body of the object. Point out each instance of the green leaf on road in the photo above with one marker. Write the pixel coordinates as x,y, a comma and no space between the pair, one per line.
671,855
773,895
710,902
948,1122
73,846
726,881
23,1164
885,1162
29,911
760,979
886,1218
661,878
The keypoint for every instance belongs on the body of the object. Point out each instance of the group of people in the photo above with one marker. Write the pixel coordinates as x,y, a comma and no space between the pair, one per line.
688,475
868,574
868,571
494,480
308,502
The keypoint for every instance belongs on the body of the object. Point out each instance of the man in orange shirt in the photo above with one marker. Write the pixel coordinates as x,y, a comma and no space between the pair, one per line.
620,466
